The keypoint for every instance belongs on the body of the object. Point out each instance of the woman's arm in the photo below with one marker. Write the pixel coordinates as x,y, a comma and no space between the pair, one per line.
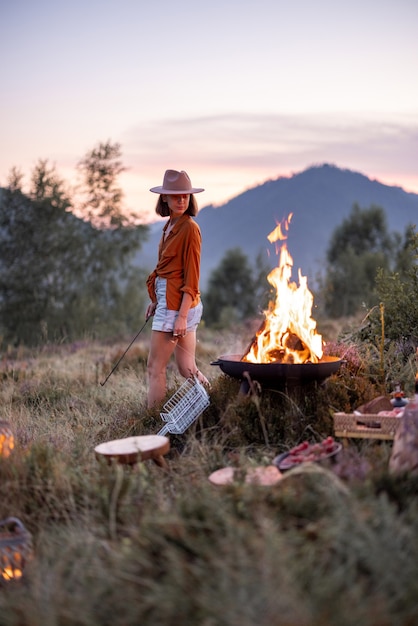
180,326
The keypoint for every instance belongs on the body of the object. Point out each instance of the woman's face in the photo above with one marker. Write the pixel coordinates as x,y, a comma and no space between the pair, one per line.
178,204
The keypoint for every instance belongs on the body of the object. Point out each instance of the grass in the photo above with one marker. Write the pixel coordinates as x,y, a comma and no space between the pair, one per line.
328,545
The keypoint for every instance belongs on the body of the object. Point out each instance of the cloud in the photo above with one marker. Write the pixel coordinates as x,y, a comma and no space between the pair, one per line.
229,153
263,144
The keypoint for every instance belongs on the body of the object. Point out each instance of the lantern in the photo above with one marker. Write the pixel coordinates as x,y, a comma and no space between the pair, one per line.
15,549
7,442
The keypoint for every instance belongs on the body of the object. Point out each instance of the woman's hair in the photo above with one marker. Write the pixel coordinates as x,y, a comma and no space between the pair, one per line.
162,209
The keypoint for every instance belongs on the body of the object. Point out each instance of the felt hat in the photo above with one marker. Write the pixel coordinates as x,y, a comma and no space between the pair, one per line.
176,183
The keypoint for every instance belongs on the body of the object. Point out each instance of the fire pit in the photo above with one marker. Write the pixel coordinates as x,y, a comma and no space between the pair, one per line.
286,349
277,374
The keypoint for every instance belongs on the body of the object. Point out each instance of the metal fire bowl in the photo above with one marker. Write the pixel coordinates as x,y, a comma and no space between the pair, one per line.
276,374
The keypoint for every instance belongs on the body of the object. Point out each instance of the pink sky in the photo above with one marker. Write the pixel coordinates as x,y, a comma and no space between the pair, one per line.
233,97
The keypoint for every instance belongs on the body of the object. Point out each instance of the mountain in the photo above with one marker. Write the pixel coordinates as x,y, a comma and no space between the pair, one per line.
319,198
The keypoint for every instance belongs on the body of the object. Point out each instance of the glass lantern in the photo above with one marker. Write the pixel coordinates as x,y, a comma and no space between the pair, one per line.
15,549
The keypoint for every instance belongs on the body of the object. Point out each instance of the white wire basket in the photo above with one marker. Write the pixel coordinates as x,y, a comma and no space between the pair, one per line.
184,407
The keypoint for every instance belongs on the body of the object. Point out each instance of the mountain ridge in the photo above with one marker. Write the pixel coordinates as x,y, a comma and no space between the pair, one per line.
319,199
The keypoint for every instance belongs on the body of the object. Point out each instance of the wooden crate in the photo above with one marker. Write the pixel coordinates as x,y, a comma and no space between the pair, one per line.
365,426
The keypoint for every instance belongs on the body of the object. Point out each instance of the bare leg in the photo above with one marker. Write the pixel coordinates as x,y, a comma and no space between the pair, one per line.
161,348
185,357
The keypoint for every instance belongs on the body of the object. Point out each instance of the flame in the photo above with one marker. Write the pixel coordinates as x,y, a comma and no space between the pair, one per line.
11,568
288,333
6,443
278,234
11,574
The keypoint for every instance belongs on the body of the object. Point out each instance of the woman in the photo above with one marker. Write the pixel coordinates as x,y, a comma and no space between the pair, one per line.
174,285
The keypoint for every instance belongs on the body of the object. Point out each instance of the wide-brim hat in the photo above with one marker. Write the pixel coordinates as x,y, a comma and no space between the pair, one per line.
176,183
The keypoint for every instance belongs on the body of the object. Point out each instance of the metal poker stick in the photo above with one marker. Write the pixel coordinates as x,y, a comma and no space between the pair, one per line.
133,341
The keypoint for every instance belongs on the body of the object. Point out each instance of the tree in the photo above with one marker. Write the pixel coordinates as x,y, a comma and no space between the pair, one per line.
398,292
103,197
38,254
236,291
117,236
62,276
357,249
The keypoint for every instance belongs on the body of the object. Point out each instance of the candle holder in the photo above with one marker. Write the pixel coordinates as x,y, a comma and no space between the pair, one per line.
7,441
398,397
15,549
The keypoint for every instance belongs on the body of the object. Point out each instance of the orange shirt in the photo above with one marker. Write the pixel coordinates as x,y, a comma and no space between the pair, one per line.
178,262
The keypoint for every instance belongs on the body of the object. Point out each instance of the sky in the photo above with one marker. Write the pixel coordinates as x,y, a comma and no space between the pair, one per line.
234,92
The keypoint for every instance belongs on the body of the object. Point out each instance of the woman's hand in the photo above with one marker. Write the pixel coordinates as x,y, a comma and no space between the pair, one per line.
180,326
150,310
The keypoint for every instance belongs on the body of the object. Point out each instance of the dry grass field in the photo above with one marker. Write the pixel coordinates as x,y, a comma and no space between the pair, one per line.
127,545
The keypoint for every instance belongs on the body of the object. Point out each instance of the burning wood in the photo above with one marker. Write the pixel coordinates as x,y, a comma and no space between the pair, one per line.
288,333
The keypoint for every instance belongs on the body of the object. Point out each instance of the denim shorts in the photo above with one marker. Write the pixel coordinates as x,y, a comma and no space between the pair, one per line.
164,319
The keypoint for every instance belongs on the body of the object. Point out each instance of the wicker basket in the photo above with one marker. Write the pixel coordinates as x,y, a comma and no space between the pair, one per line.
366,426
15,549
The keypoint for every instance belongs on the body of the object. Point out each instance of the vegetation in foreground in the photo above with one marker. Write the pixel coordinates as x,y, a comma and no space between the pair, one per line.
143,545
